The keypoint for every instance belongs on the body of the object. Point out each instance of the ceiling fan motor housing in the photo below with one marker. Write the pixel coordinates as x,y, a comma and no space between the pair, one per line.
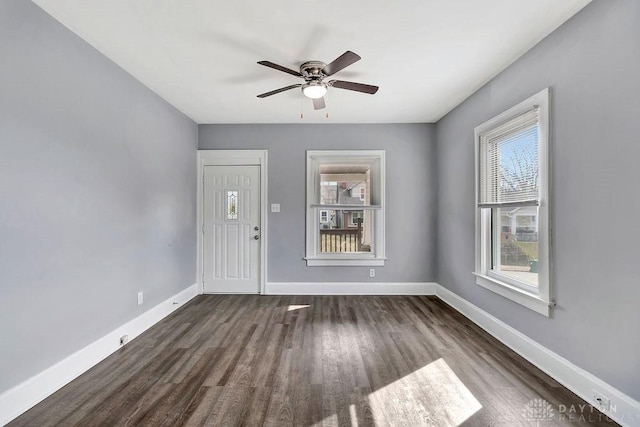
312,70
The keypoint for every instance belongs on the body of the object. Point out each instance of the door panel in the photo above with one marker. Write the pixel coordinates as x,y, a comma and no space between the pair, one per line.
231,215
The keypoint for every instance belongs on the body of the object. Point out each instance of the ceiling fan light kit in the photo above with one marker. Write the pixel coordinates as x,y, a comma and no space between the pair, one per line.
314,73
314,90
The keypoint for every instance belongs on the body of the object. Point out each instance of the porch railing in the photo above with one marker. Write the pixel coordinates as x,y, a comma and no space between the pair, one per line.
341,239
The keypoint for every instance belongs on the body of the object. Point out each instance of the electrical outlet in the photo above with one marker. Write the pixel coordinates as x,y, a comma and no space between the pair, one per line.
275,207
603,404
140,298
372,272
124,339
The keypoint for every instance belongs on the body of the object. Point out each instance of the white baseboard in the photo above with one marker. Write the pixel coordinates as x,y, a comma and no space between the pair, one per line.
350,288
625,410
25,395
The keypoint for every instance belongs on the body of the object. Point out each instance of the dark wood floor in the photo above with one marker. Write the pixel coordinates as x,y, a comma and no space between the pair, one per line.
267,360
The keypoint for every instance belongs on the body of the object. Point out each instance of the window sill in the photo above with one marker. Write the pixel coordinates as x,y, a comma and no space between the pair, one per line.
522,297
334,262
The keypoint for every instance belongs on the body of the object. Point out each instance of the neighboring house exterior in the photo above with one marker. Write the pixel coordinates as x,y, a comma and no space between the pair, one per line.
520,224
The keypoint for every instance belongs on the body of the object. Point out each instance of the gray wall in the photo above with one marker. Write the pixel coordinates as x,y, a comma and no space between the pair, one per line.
592,64
97,194
410,185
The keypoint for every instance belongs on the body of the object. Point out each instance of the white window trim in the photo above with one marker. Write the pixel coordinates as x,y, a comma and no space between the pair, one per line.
540,301
313,257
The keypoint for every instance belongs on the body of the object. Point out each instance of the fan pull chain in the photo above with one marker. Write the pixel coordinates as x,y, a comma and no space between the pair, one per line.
326,98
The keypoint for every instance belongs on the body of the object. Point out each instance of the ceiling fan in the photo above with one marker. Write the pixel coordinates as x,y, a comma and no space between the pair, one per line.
314,73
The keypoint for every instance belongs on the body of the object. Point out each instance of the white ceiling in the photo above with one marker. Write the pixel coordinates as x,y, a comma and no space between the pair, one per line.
427,56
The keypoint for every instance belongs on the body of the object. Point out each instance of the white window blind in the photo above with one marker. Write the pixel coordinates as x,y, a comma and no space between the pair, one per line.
509,163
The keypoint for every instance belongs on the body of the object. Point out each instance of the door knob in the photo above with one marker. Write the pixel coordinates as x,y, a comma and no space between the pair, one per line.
256,237
256,228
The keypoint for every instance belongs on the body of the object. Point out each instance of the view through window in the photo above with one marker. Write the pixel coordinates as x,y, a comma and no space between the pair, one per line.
344,228
515,236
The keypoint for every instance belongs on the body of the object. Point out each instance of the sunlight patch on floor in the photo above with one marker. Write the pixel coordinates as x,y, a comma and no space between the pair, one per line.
432,395
297,307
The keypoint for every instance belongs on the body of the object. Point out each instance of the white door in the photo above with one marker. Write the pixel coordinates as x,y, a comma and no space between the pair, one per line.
231,229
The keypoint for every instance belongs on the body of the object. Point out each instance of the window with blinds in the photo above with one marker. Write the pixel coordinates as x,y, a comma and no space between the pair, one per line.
508,163
512,204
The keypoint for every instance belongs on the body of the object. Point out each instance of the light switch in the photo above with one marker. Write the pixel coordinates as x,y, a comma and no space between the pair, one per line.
275,207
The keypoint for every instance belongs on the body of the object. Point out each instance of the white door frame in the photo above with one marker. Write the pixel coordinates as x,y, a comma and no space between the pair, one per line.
233,158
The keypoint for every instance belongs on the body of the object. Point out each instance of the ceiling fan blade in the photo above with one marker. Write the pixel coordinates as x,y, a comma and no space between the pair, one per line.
318,103
282,89
279,68
341,62
358,87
